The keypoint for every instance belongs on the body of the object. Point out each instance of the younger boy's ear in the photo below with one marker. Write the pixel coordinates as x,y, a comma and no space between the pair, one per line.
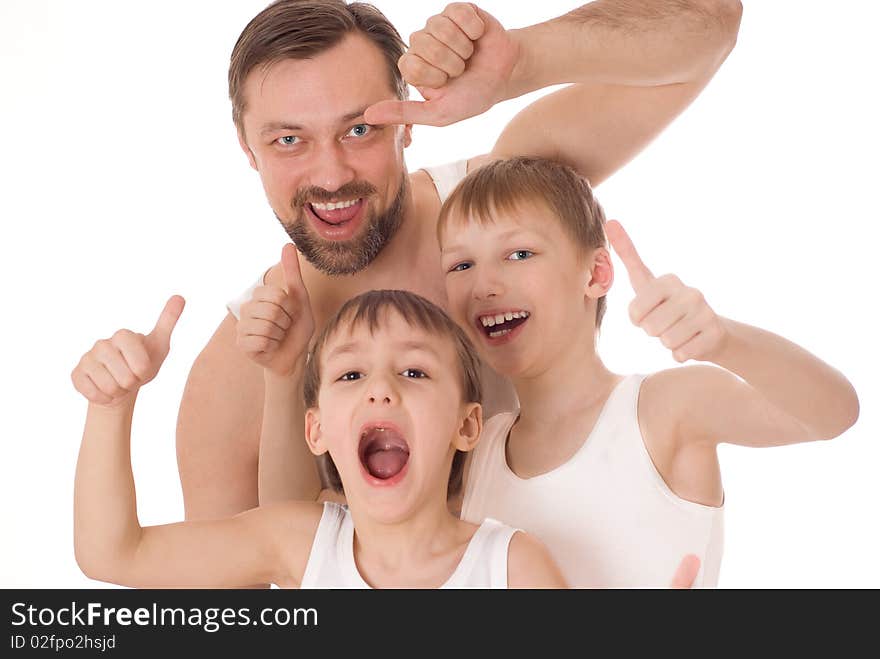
470,429
407,135
314,436
601,274
247,150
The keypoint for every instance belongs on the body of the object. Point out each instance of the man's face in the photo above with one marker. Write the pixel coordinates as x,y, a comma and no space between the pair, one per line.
337,184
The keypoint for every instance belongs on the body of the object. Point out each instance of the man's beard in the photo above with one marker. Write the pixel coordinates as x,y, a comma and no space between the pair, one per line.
345,257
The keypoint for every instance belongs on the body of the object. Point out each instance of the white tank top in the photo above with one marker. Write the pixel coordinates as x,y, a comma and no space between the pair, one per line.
331,561
445,178
606,515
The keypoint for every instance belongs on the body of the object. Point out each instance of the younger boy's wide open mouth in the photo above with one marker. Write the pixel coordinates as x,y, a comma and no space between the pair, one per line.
383,451
495,325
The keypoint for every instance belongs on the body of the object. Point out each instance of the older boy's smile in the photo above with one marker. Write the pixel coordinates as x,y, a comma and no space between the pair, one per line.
501,323
383,452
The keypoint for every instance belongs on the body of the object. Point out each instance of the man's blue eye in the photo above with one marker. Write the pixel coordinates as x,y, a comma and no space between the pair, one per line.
520,255
414,373
350,376
360,130
288,140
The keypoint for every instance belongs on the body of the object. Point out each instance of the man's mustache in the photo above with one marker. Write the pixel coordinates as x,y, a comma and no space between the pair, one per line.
314,194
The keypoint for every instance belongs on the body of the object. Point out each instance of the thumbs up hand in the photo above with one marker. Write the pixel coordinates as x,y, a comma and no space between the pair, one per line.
664,307
276,325
111,373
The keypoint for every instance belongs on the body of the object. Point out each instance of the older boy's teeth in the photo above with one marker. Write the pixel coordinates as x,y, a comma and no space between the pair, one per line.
499,319
508,316
499,333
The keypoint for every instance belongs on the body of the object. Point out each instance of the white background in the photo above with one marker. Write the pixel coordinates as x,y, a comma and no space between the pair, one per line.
122,182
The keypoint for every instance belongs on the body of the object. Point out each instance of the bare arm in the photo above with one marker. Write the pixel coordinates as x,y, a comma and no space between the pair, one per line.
109,542
274,332
218,429
632,68
257,546
771,392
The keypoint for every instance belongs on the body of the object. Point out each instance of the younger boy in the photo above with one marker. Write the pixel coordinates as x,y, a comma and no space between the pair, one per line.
402,383
619,476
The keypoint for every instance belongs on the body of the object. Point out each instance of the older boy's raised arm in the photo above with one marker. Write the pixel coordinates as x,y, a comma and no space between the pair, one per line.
771,391
633,67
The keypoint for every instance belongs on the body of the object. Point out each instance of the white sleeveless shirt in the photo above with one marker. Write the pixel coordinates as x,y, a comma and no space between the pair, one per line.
606,515
331,562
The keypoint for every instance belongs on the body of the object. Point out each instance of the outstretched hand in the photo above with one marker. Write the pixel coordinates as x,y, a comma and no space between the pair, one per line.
667,309
460,63
276,325
114,369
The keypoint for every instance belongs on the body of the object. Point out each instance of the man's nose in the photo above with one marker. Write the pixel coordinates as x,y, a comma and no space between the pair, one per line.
332,168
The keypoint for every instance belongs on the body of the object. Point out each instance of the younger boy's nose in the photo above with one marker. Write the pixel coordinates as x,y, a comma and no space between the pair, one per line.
487,285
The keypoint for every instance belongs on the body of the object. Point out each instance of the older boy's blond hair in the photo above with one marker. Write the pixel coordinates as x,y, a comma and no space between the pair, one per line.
505,185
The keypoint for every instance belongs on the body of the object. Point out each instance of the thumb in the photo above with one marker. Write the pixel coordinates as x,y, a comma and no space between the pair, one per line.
167,320
639,273
686,573
293,281
403,112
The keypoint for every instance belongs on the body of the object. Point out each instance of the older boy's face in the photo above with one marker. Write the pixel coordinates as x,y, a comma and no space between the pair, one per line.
337,184
516,285
389,407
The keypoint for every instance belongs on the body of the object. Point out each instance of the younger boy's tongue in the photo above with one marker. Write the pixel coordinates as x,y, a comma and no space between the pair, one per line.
384,452
386,463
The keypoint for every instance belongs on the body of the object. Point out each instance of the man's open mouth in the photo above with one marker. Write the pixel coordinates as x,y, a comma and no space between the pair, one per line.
383,451
495,325
338,212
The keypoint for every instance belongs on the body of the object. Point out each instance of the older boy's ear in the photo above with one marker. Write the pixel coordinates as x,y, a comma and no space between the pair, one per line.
314,436
601,274
470,429
247,150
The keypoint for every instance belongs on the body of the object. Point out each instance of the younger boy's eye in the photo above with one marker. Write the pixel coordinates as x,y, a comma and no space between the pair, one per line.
351,376
460,267
520,255
413,373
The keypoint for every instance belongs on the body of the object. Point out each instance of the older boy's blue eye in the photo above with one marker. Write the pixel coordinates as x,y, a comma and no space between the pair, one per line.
414,373
360,130
520,255
350,376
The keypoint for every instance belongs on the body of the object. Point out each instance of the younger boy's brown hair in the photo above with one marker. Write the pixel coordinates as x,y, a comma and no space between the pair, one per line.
372,309
505,185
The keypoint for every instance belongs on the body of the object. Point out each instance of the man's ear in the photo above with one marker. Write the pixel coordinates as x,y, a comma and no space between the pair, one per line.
601,274
247,150
314,436
470,429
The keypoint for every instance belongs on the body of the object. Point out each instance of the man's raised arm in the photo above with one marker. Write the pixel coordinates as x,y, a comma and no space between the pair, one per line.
633,67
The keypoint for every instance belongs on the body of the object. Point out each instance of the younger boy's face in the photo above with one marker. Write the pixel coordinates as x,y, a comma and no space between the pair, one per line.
517,286
390,413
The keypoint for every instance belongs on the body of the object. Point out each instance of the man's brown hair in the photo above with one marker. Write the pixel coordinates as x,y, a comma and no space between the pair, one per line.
301,29
505,185
372,309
